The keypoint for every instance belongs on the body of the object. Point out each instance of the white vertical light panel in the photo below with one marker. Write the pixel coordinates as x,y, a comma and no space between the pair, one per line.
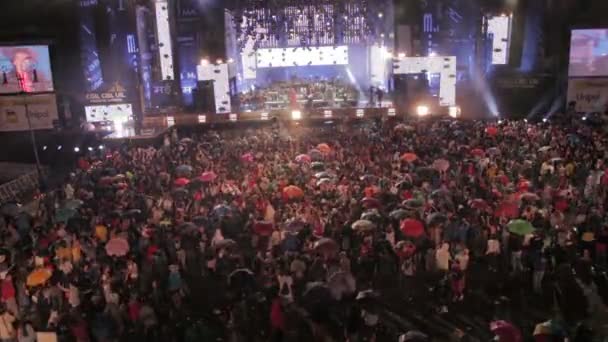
218,74
248,58
500,29
444,66
163,30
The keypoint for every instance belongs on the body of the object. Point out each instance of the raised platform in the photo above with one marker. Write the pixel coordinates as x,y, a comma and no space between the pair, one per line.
187,119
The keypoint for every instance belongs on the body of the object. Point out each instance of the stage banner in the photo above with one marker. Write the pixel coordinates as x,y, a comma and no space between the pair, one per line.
590,94
42,110
519,94
109,93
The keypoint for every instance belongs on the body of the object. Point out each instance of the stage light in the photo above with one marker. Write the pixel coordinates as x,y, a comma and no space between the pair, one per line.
296,115
204,62
526,120
44,148
219,61
584,118
170,121
76,149
380,15
230,60
454,111
499,122
264,116
59,148
101,147
422,110
545,120
401,55
233,117
202,118
90,149
392,112
327,114
360,113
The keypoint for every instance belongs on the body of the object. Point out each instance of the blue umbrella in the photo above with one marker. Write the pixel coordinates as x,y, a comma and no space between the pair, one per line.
221,210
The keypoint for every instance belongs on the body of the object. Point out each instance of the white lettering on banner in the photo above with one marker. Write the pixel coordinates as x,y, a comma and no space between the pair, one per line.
590,95
41,109
116,93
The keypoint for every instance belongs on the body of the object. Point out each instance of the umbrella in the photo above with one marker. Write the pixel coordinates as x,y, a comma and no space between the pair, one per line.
317,166
544,149
370,215
507,209
117,247
183,169
73,204
181,182
263,228
241,278
478,204
529,196
370,202
505,331
492,131
294,226
293,192
133,212
413,336
441,165
247,157
409,157
323,174
368,178
323,181
440,193
326,247
478,152
341,284
520,227
324,148
363,225
38,277
412,228
208,176
303,158
413,203
315,154
224,244
549,328
180,192
10,209
398,214
119,178
436,218
403,128
221,210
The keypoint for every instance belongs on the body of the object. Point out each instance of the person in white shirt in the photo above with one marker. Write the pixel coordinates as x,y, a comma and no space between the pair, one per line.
443,258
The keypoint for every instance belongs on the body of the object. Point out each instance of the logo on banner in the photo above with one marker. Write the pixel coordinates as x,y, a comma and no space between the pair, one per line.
116,93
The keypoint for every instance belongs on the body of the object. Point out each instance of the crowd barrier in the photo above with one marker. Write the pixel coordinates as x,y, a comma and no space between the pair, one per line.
20,188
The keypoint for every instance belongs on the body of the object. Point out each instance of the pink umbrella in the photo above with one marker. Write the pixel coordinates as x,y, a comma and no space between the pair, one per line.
303,158
247,157
505,331
477,152
441,165
508,210
117,247
181,181
412,228
492,131
208,176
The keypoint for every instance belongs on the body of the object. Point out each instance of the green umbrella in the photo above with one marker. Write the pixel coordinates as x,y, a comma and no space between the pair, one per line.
520,227
399,214
73,204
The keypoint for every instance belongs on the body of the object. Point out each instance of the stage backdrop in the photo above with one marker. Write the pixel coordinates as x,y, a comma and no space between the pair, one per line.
42,110
590,94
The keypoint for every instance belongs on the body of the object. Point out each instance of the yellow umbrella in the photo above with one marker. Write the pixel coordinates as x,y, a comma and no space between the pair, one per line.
38,277
588,237
101,232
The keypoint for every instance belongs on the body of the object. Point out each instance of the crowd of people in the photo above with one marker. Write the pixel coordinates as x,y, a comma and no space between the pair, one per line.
301,93
293,233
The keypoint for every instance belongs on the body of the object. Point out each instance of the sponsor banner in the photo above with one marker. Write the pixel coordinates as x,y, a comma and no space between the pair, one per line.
590,94
114,93
42,110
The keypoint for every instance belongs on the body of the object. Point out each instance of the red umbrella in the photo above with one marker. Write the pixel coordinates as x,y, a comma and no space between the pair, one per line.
117,247
292,191
478,204
409,157
477,152
523,185
247,157
492,131
208,176
324,148
263,228
412,228
505,331
181,181
508,210
370,202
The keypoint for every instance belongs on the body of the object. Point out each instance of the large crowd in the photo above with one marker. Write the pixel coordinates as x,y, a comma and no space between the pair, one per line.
306,234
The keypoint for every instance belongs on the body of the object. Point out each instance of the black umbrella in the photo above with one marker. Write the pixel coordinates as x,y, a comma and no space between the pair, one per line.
241,279
200,220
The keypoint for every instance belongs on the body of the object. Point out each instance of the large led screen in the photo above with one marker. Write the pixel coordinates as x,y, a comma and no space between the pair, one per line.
25,69
589,53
